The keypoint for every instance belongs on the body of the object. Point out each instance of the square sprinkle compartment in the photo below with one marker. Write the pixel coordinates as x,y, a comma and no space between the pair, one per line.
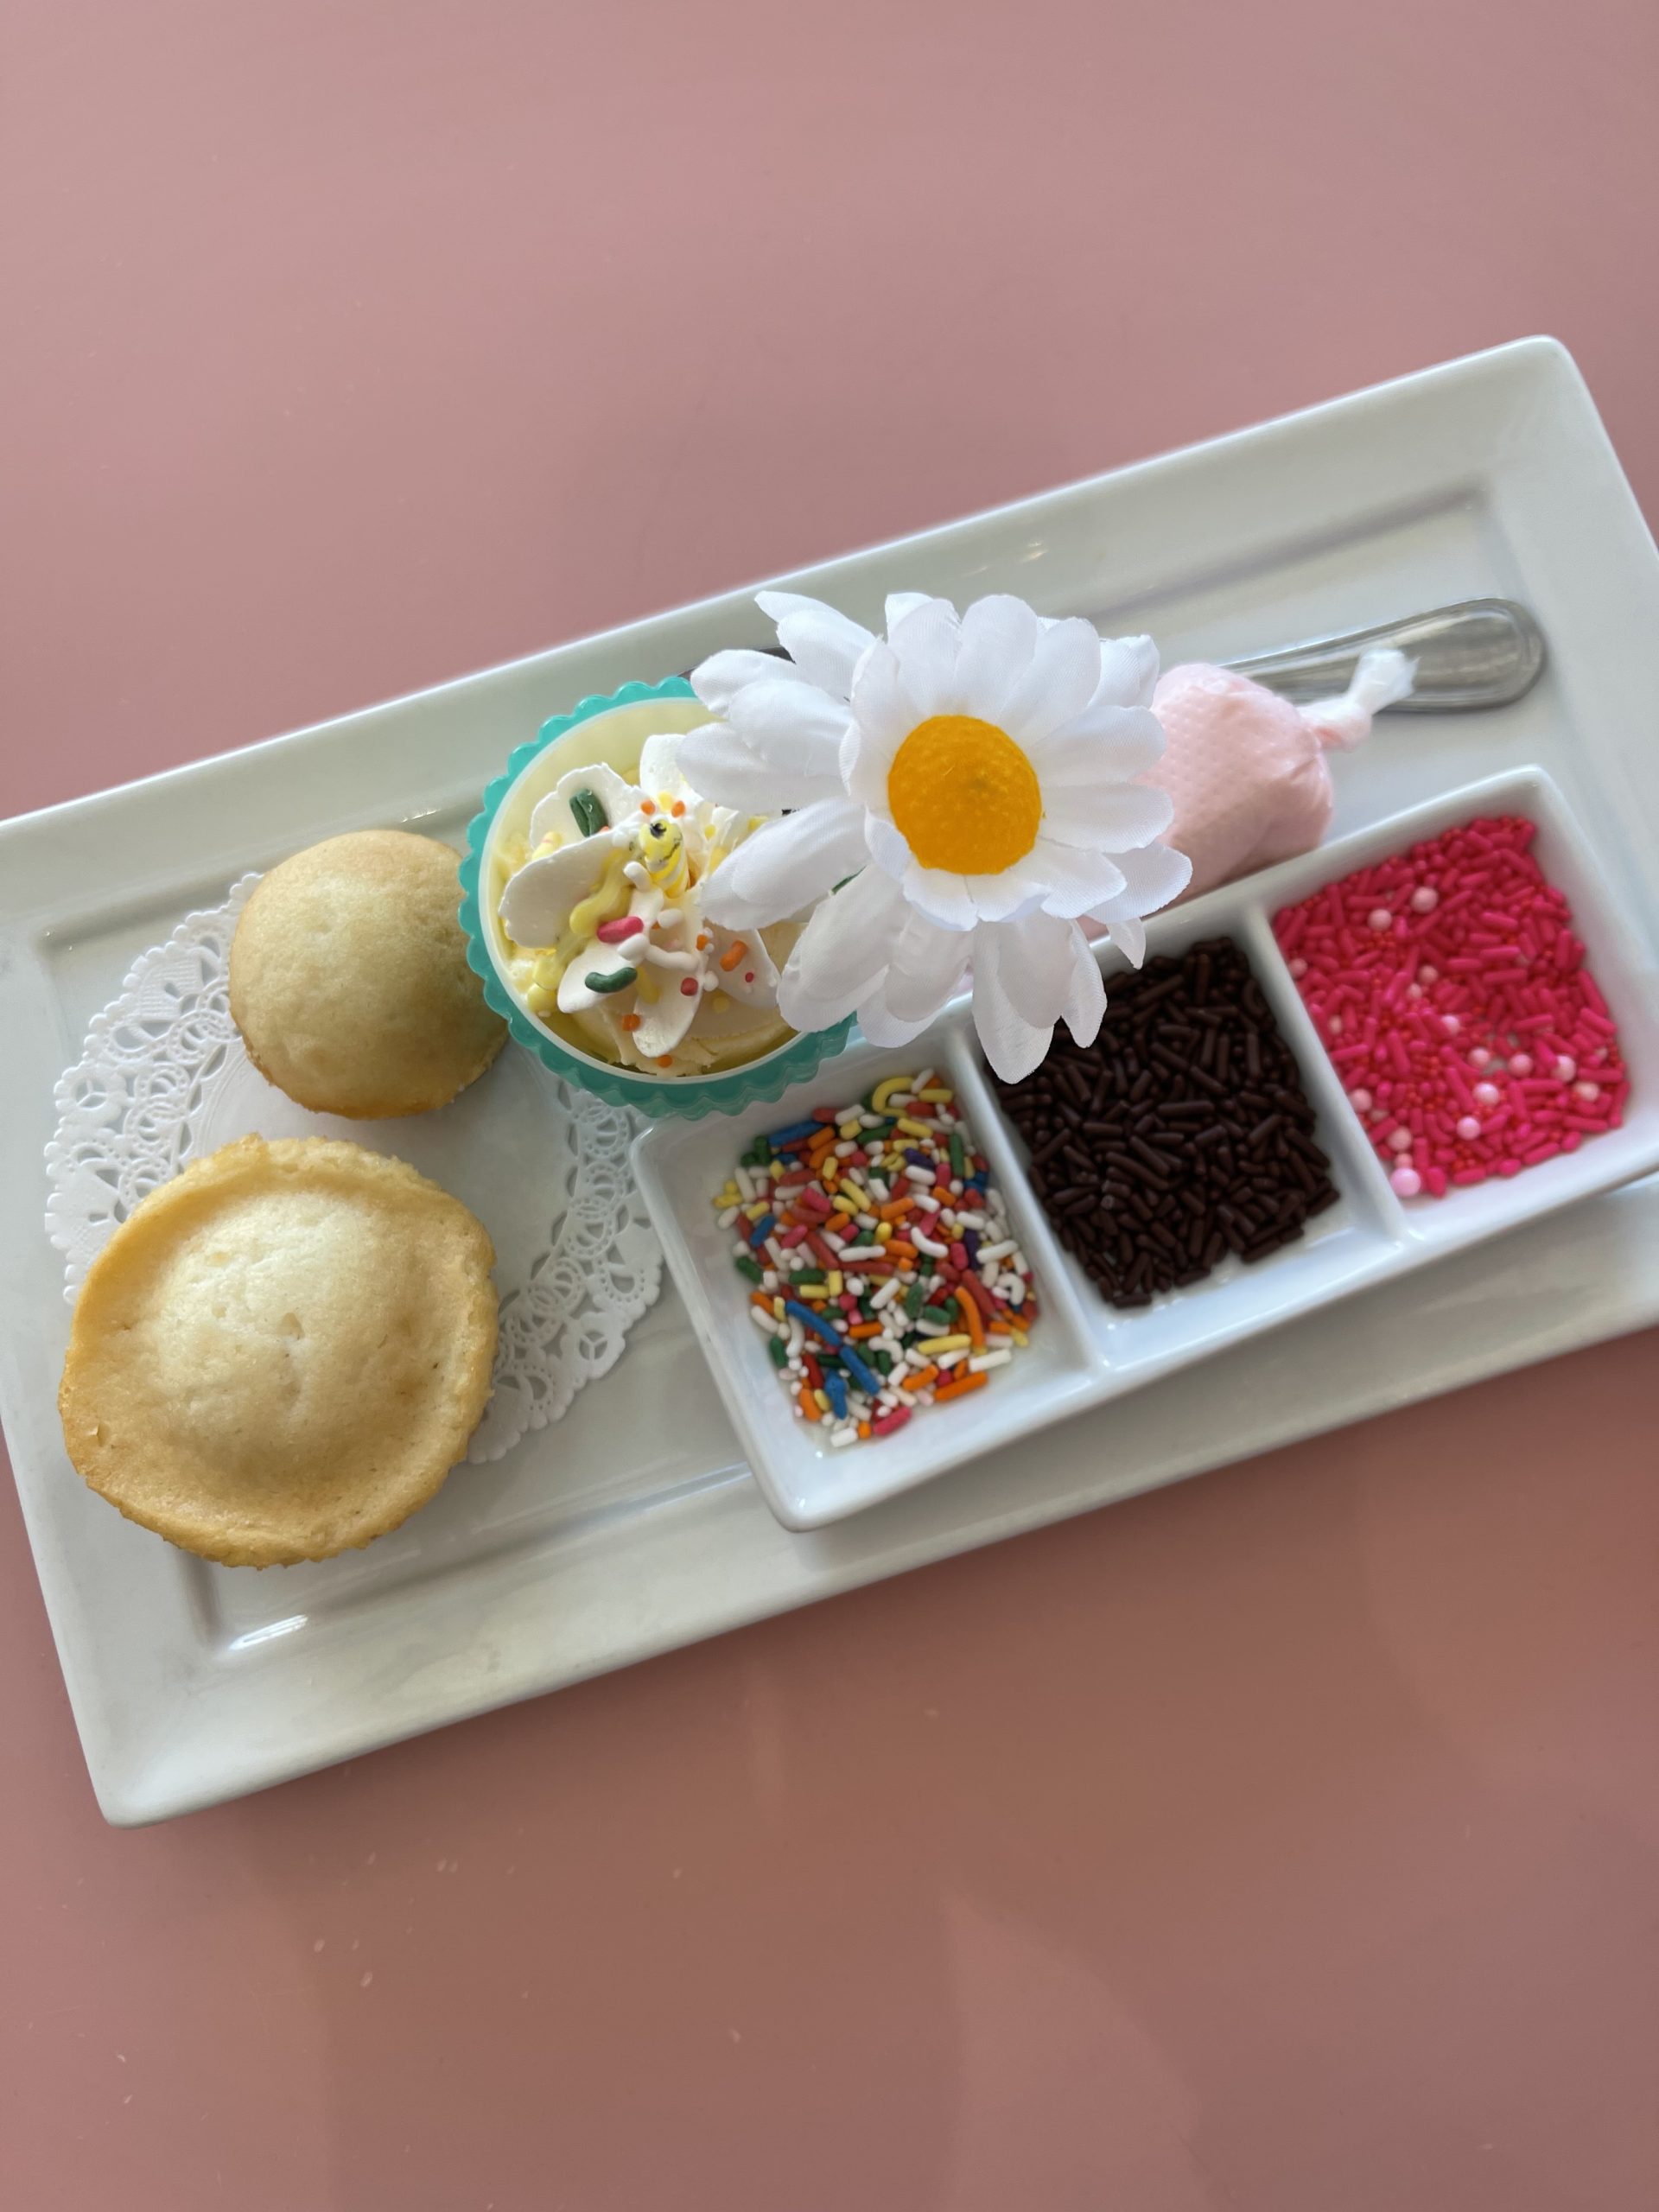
1083,1352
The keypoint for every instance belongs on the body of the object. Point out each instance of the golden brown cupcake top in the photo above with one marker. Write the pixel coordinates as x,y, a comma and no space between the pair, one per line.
282,1352
349,980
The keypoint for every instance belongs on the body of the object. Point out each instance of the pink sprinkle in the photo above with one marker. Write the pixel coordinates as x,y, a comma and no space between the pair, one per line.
618,931
1450,964
1406,1182
1299,969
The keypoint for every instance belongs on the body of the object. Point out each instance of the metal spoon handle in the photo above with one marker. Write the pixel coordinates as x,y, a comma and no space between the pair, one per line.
1481,653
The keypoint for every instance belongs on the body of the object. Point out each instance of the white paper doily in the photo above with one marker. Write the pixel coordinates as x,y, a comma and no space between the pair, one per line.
163,1077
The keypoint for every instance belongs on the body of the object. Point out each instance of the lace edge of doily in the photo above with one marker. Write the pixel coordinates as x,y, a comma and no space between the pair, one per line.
54,1152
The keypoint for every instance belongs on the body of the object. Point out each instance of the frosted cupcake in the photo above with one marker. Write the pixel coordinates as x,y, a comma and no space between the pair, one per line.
603,916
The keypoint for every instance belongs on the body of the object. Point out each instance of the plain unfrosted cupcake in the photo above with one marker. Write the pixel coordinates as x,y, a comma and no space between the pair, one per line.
349,980
281,1353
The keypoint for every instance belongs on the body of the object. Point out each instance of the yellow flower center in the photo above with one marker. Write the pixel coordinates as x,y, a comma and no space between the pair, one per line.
963,795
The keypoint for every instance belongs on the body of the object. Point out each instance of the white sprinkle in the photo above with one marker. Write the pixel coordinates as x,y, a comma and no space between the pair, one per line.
997,1251
982,1360
769,1278
726,1220
744,1181
846,1148
868,1121
890,1290
948,1359
927,1202
775,1252
920,1083
926,1244
867,1221
764,1322
922,1175
839,1437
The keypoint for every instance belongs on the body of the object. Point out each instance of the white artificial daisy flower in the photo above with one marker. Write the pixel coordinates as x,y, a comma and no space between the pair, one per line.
978,779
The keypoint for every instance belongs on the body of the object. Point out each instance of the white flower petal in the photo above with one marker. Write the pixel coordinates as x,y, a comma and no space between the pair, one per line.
614,793
718,765
887,846
884,716
942,897
1013,1046
1102,744
848,941
1034,964
1075,878
925,643
536,902
1129,933
1059,683
1118,817
1128,669
999,636
1085,998
901,603
881,1026
1017,890
823,643
926,967
1152,876
718,680
786,864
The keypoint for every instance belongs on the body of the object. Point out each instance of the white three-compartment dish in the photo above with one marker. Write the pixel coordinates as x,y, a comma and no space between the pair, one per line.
1083,1352
634,1524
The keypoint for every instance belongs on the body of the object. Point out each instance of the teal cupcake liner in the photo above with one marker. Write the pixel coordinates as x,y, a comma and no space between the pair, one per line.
690,1097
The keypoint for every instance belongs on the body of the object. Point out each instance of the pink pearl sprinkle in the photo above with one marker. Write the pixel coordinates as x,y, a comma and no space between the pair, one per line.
1486,1093
1565,1066
1335,1025
1480,1058
1425,898
1361,1101
1450,1023
1587,1090
1298,968
1405,1182
1380,919
1400,1140
1520,1062
1428,974
1468,1129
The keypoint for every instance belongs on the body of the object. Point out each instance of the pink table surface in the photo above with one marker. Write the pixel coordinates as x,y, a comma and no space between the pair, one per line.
1283,1841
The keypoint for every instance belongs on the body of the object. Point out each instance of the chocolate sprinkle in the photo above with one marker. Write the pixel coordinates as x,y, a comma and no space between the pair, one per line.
1183,1133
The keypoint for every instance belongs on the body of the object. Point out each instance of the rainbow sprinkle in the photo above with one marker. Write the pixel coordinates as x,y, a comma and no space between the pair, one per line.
883,1271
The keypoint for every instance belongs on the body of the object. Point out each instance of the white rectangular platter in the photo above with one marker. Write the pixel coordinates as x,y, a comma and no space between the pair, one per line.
616,1534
